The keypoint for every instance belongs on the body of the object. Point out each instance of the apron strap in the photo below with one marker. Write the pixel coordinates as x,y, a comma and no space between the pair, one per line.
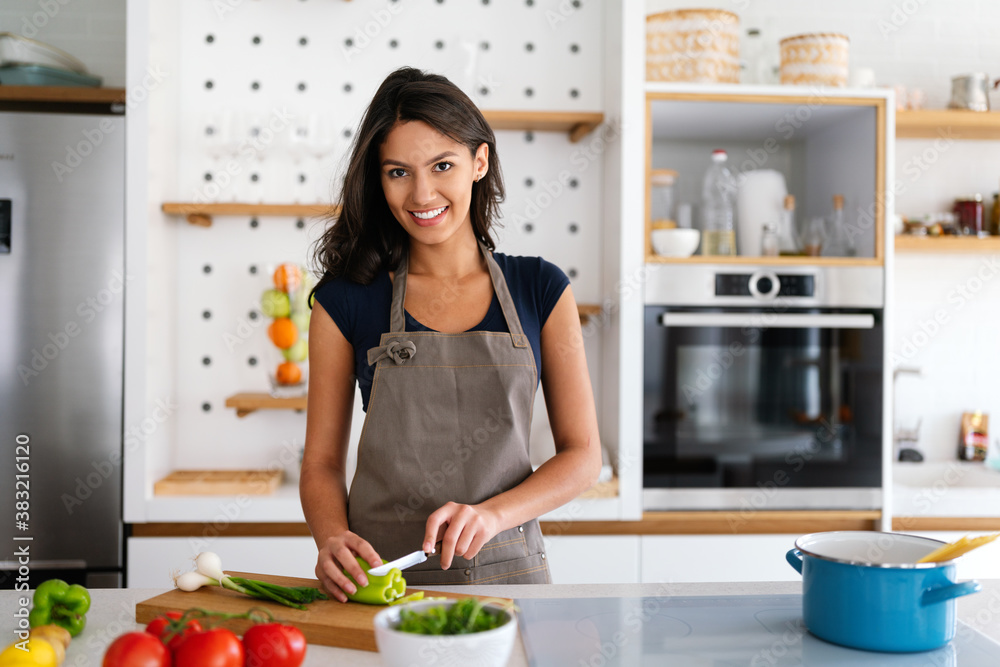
397,319
517,336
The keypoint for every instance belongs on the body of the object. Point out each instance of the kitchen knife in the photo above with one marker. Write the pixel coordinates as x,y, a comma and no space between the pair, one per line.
406,561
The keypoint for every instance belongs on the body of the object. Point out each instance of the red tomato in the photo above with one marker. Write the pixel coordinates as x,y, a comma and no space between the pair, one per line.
137,649
217,647
274,645
158,628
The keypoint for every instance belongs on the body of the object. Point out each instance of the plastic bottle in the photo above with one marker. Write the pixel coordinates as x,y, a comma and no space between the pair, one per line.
718,193
839,241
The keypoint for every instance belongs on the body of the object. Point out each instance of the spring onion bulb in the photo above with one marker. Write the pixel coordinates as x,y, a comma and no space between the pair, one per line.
192,581
210,565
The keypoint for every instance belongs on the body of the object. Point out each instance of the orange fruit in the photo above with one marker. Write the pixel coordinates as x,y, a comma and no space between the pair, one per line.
287,277
288,373
283,333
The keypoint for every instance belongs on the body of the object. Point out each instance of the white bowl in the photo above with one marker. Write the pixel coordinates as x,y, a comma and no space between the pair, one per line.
491,648
675,242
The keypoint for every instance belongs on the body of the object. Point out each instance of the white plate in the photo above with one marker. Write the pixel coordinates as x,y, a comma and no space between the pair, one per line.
18,50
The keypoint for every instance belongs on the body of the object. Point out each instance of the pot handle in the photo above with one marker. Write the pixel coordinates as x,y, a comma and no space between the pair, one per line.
794,558
945,593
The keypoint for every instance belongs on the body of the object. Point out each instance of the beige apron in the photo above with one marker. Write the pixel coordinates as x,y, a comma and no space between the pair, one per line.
448,419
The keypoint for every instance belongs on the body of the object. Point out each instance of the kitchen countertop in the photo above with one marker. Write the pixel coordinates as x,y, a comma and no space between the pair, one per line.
945,488
113,613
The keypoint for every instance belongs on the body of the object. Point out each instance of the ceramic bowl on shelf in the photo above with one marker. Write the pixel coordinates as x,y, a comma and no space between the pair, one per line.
491,648
675,242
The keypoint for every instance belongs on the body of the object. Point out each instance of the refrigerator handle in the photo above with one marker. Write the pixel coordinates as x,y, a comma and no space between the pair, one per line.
63,564
5,225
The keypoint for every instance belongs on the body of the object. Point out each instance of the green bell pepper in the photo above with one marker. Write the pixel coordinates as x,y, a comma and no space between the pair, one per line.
61,604
380,590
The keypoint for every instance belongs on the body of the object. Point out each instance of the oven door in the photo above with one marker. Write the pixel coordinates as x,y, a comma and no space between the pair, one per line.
771,410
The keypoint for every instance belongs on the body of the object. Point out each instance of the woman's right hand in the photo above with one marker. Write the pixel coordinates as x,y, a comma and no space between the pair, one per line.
338,554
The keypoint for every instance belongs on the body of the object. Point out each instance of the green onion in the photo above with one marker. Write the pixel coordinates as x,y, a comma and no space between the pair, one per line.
209,564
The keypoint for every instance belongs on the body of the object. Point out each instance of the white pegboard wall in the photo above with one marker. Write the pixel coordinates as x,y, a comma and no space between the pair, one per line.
276,90
302,73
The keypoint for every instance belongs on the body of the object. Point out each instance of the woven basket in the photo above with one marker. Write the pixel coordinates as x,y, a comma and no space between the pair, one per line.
701,45
819,59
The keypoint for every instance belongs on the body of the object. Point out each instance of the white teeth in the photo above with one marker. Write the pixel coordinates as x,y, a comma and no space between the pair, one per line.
427,215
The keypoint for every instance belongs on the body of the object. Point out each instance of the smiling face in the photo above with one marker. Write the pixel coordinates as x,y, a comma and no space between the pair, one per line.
427,180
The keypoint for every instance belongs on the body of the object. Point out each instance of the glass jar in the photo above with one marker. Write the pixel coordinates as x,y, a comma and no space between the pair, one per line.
769,241
661,203
969,211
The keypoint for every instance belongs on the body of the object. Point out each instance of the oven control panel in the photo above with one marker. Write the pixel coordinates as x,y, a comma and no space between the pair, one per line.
764,284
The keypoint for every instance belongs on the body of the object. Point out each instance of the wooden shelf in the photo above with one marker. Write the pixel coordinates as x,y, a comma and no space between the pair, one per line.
588,310
577,123
246,403
946,244
767,261
61,94
934,123
201,214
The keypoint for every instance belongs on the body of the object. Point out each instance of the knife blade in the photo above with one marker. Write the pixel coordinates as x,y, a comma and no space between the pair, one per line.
406,561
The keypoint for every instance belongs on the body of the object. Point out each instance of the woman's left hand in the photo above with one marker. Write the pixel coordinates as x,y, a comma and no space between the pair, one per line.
461,529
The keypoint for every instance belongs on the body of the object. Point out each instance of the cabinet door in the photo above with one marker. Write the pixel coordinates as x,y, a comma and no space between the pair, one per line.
152,559
716,558
593,559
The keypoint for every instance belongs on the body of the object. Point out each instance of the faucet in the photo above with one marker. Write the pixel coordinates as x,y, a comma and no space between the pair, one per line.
905,440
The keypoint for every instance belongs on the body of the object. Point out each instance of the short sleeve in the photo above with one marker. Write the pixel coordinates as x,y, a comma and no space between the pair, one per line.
336,299
552,282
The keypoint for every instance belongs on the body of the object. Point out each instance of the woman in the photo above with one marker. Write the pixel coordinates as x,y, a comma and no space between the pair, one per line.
446,340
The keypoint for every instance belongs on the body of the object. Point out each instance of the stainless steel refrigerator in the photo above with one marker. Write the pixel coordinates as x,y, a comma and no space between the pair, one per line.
62,288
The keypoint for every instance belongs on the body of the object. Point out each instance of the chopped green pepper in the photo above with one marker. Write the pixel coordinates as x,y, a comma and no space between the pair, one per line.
61,604
412,597
380,590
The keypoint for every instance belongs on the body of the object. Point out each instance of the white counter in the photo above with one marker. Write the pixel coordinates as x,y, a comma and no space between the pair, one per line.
113,613
945,488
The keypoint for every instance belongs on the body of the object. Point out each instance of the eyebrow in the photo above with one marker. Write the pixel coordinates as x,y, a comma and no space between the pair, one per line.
429,162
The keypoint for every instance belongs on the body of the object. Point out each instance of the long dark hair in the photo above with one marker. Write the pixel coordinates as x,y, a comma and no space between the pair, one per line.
364,237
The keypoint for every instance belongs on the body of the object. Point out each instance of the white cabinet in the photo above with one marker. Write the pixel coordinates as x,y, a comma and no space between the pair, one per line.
716,558
151,560
593,559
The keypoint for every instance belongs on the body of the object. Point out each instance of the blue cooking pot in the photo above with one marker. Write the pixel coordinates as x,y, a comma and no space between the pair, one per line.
864,589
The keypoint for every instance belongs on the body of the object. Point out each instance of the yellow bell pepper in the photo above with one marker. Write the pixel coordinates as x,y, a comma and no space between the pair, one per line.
36,652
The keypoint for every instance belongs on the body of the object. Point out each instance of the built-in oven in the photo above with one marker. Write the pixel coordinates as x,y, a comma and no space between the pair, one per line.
763,387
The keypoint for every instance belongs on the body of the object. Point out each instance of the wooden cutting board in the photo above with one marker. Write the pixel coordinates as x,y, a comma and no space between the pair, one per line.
218,483
326,622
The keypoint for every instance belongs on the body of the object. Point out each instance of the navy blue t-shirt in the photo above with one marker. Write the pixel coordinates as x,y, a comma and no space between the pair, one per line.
361,312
